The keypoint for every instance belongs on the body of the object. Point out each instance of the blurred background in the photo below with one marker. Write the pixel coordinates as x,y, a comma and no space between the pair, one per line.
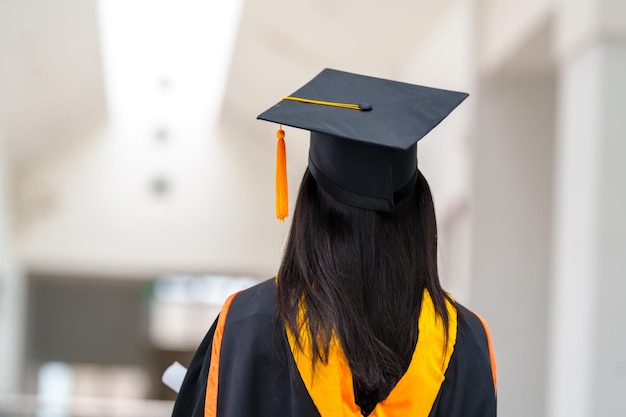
136,186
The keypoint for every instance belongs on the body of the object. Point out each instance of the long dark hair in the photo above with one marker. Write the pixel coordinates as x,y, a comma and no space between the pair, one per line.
361,275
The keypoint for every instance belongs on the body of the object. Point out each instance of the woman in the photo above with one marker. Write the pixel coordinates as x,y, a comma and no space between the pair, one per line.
356,322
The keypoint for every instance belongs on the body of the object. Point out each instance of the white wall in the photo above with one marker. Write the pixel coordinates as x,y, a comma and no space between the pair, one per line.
511,203
445,59
12,294
503,26
588,337
106,219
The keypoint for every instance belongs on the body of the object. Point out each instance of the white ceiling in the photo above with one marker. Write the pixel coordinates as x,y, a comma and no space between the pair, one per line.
51,84
51,81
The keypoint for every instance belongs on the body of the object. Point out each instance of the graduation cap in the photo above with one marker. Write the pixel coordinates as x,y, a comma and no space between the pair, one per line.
364,134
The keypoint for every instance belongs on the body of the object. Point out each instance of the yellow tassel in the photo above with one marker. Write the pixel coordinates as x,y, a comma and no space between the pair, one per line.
282,191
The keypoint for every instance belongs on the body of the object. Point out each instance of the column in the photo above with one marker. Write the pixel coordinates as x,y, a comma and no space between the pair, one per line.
587,366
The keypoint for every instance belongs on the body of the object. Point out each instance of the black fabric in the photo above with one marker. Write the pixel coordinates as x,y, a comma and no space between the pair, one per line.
469,381
190,401
401,113
258,376
360,175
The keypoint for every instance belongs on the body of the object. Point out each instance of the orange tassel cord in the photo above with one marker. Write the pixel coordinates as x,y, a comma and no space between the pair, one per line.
282,191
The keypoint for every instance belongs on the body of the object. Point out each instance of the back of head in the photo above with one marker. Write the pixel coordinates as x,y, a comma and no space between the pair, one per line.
360,275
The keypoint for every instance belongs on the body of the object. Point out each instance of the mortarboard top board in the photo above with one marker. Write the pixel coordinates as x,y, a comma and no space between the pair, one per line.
364,133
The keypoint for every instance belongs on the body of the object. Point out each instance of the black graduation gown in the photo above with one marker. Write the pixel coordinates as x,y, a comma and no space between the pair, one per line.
258,375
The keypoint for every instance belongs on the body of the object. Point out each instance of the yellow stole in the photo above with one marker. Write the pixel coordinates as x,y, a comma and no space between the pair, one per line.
330,384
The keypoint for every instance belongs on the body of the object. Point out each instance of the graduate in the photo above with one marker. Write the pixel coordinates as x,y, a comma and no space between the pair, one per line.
355,323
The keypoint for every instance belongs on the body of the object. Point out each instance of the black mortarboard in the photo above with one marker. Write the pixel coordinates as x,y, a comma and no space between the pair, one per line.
364,133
